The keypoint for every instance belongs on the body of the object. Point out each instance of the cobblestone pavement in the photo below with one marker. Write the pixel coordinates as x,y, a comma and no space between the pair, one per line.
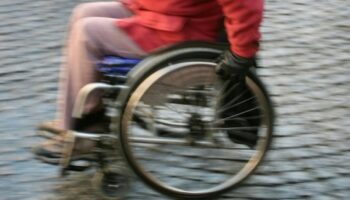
305,62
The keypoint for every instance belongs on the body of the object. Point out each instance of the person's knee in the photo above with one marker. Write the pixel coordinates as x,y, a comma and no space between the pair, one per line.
86,28
80,11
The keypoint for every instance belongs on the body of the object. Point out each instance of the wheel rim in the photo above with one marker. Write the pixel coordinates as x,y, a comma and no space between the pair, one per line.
158,160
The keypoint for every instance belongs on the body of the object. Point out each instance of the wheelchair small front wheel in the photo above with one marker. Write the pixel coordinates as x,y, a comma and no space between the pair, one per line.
110,186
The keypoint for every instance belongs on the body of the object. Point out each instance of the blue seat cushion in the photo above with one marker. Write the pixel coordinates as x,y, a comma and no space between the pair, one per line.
114,65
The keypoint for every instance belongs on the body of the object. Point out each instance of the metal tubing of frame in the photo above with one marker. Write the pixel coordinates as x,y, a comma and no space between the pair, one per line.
92,136
172,141
86,91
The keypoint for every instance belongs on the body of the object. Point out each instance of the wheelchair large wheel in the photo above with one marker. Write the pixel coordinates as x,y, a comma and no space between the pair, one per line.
172,137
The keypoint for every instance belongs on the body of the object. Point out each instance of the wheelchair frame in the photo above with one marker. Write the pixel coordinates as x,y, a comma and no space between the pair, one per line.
149,65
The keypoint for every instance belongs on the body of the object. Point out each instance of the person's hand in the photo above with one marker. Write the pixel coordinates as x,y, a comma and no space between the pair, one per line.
234,98
231,66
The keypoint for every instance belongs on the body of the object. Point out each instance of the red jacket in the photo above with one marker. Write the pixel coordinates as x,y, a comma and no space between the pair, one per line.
162,22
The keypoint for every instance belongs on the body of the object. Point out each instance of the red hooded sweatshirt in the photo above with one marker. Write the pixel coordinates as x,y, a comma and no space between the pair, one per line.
158,23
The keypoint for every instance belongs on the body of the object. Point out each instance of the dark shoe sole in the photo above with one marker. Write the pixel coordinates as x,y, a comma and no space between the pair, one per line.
57,161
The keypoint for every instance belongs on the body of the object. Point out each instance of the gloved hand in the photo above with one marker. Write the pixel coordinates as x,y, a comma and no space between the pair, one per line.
235,105
231,66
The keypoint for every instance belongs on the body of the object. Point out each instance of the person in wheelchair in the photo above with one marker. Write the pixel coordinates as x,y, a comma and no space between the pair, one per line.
134,29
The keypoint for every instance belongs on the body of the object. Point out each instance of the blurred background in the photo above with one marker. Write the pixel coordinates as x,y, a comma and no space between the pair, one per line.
305,60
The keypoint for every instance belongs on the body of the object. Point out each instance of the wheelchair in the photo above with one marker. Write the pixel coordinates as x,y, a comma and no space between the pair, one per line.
164,124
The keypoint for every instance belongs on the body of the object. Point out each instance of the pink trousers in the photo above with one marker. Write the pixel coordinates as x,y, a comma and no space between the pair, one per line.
93,34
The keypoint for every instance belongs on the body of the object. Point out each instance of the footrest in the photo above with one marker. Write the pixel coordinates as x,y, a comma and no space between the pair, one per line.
80,163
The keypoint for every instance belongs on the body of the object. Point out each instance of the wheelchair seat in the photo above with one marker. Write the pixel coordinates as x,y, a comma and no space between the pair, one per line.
114,69
115,65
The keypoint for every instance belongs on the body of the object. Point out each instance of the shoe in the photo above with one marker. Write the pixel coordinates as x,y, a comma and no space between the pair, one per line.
48,129
51,151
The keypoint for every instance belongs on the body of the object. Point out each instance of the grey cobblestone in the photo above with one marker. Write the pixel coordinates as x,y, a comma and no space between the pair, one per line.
305,61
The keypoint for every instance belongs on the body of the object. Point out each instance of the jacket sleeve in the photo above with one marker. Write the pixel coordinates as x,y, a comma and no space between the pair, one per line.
242,23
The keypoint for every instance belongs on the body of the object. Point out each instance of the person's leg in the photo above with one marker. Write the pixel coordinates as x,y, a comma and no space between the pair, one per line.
93,34
68,82
94,9
90,40
99,9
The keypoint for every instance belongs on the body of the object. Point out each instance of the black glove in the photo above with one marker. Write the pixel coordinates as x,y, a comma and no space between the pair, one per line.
235,100
231,66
